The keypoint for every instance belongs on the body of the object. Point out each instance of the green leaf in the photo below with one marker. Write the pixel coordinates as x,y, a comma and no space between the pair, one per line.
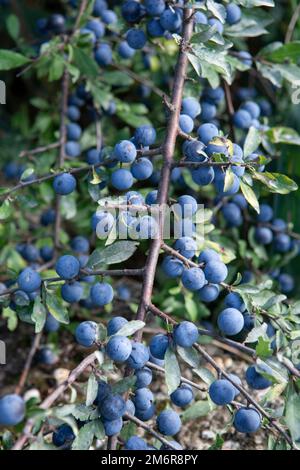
131,327
87,433
250,196
92,390
85,413
13,26
56,308
275,182
263,348
11,316
218,444
85,63
205,374
292,415
190,356
229,179
283,135
256,333
113,254
39,314
286,52
197,410
127,383
5,210
172,371
11,60
252,142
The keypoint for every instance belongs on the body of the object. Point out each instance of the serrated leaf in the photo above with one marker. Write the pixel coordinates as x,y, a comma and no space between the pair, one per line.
256,333
196,410
252,142
205,374
263,348
127,383
92,390
85,413
172,371
56,308
229,180
189,355
276,182
39,314
130,328
11,60
292,415
113,254
250,196
87,433
5,210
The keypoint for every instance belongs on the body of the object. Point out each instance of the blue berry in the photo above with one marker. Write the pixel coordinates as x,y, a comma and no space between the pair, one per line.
73,131
208,255
242,119
263,235
67,267
234,13
231,321
247,420
142,169
72,292
185,334
29,280
234,300
206,132
96,27
136,38
203,175
86,333
51,324
63,435
186,246
102,294
209,292
186,123
168,423
158,346
119,348
145,135
103,55
80,244
138,357
191,107
222,392
125,151
256,380
125,51
112,427
182,396
64,184
112,407
143,377
155,7
215,272
193,278
12,410
115,324
170,20
122,179
143,399
135,443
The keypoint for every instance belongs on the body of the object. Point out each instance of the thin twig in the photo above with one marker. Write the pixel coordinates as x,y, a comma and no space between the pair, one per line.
27,366
38,150
292,25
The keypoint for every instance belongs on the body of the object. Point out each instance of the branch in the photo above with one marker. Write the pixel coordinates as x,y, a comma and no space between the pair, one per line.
88,361
27,366
168,152
221,372
292,25
61,157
